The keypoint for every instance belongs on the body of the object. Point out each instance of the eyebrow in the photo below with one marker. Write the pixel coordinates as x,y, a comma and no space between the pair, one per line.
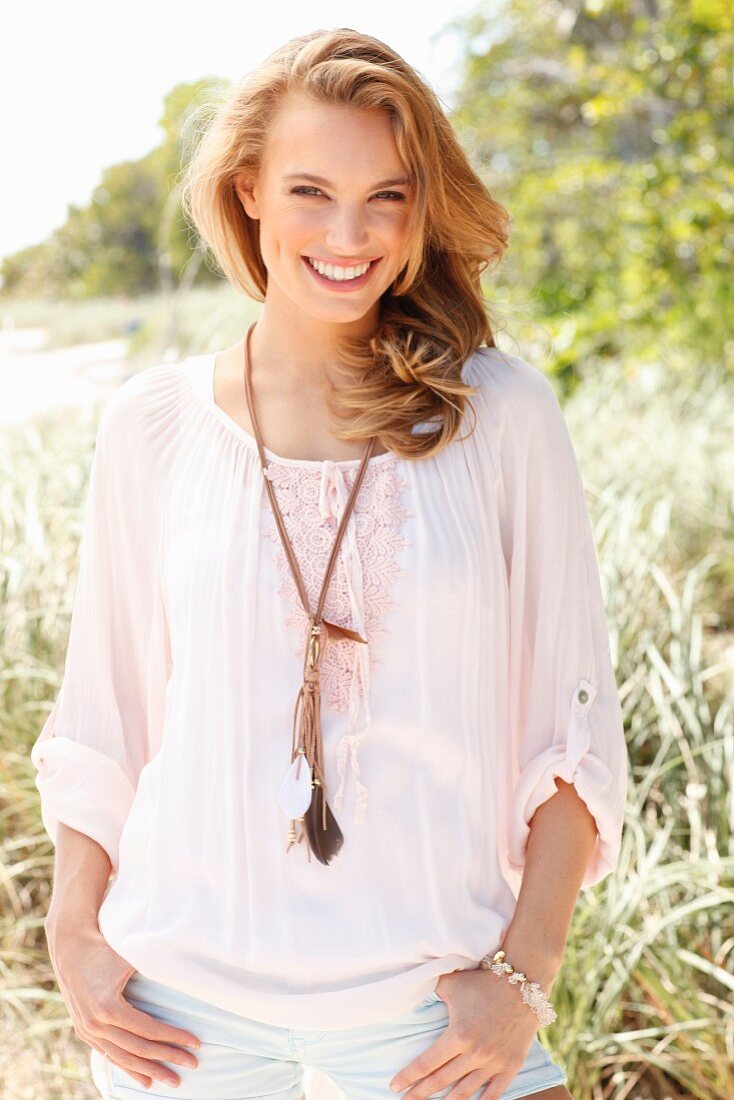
397,181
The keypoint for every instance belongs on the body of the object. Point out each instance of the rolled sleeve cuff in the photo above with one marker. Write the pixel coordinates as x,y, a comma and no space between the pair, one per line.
593,782
83,789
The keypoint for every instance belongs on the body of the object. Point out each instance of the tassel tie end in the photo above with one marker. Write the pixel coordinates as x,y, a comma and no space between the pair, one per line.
348,745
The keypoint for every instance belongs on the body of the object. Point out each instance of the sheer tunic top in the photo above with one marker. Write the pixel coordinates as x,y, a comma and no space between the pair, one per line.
487,674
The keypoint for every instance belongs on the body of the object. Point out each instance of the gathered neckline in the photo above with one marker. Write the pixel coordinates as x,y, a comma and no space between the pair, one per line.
206,393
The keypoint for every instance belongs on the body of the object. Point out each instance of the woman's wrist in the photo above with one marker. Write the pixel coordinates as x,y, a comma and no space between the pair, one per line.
536,961
534,996
73,920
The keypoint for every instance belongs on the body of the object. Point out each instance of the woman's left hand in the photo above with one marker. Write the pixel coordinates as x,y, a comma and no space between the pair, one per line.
489,1034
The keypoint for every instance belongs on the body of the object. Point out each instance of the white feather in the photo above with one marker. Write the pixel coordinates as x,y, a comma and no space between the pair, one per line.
294,793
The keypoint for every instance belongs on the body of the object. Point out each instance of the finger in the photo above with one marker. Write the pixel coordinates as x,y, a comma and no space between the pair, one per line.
456,1073
146,1082
146,1048
495,1088
429,1060
134,1065
449,1074
125,1016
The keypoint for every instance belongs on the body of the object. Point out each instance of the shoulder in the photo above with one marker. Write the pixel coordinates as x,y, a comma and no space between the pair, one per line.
518,416
520,425
514,389
146,392
143,409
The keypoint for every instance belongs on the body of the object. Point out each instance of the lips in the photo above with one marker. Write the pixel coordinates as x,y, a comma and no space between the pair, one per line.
343,262
342,285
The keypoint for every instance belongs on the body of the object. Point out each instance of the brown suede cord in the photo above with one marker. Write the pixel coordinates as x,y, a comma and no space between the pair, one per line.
323,837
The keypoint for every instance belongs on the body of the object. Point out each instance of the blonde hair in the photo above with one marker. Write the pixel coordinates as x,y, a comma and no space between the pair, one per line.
434,315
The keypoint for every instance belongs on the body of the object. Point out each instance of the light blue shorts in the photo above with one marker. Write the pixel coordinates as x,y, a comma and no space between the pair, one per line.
240,1058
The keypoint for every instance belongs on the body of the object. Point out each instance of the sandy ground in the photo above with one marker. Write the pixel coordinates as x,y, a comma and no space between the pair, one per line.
34,380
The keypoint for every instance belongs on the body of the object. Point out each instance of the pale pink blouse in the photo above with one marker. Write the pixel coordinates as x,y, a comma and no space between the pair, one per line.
487,674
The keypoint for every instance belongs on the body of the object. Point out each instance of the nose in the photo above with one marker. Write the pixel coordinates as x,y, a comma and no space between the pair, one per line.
347,232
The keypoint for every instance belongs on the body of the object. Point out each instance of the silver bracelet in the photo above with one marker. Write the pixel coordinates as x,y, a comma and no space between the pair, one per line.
532,994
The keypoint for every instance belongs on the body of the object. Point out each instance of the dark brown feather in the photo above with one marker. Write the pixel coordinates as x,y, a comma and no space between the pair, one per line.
324,843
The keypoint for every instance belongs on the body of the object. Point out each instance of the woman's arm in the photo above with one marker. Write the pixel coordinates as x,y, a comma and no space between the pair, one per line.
561,840
106,722
92,976
490,1029
81,873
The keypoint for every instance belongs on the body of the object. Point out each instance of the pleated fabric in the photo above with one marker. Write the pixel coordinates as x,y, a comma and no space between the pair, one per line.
487,674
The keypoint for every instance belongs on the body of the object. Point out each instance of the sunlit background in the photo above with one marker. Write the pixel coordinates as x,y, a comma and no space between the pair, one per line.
606,127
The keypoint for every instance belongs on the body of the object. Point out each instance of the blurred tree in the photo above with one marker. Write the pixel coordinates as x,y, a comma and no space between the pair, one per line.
606,128
121,243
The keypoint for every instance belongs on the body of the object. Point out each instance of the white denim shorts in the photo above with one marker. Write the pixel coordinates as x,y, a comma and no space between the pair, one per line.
240,1058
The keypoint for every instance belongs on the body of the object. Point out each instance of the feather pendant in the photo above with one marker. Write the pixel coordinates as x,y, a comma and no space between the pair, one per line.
320,829
294,792
325,843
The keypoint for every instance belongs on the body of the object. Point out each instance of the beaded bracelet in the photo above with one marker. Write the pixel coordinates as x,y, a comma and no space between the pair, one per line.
532,994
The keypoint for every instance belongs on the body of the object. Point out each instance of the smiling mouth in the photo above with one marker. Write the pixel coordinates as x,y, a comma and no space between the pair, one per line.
338,277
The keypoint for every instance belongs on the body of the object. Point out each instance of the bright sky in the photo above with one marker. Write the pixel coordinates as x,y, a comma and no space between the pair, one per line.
82,84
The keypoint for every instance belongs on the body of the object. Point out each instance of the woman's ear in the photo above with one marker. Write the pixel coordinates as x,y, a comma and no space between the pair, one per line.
244,184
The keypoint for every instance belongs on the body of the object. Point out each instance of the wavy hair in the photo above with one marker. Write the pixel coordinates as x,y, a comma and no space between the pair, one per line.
434,315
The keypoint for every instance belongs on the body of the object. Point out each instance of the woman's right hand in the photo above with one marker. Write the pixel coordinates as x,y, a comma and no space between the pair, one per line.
92,978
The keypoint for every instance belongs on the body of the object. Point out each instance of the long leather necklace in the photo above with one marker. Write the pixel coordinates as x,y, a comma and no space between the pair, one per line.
302,794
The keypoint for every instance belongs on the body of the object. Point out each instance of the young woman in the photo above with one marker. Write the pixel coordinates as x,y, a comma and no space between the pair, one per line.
329,656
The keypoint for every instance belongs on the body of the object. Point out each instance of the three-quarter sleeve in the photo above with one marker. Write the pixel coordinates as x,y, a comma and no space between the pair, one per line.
566,714
104,725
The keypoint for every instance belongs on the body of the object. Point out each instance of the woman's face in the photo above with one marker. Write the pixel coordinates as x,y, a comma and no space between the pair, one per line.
332,189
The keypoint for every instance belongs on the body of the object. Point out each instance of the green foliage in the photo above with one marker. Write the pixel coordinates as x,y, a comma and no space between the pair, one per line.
607,129
131,238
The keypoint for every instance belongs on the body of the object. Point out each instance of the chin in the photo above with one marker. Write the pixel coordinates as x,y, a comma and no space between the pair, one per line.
339,316
340,310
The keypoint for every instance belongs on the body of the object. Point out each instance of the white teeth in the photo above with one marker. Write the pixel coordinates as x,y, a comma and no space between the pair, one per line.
338,274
